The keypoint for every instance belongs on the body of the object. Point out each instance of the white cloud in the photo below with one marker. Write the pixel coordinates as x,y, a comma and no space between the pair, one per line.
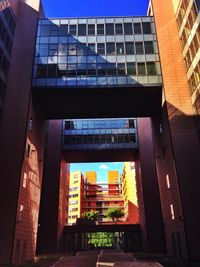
103,166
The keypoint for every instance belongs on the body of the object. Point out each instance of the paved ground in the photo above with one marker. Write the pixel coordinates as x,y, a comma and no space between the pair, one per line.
102,258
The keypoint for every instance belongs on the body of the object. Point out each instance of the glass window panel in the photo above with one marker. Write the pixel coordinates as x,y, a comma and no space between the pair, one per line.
128,29
118,28
120,48
72,29
141,68
91,29
100,29
139,48
132,138
41,71
43,50
131,68
82,30
63,30
52,70
121,69
62,71
126,138
129,46
109,29
137,28
111,69
110,48
62,59
71,49
91,49
131,123
101,49
151,68
82,49
148,46
62,49
45,30
101,69
71,59
146,27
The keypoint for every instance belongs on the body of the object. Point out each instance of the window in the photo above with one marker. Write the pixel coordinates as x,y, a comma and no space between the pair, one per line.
110,48
148,46
81,30
129,46
100,29
101,49
168,181
137,28
91,49
73,202
128,29
43,50
52,70
132,138
91,29
139,48
63,31
72,29
111,70
72,49
62,71
131,69
146,27
151,68
41,71
121,69
25,180
74,195
131,123
45,30
172,212
120,48
141,68
73,189
109,29
118,28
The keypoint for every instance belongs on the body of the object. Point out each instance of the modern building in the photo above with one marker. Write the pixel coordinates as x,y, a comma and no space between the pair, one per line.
94,68
76,191
129,192
7,29
102,196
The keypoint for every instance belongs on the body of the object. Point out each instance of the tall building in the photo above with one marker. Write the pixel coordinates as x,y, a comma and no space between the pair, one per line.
178,168
101,196
128,182
92,68
76,191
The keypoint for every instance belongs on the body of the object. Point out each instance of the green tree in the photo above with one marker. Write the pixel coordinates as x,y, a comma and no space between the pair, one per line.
91,215
115,214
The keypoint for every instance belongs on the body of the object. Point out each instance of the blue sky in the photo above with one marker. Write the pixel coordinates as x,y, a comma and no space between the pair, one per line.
83,8
101,168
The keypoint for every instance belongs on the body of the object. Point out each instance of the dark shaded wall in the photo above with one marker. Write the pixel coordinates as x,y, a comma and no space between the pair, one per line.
150,215
54,189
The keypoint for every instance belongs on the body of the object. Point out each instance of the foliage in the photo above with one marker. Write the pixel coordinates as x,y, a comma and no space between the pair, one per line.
90,215
114,213
101,239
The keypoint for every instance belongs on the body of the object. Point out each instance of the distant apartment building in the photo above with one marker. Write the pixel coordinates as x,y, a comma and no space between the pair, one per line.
129,193
86,195
75,196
